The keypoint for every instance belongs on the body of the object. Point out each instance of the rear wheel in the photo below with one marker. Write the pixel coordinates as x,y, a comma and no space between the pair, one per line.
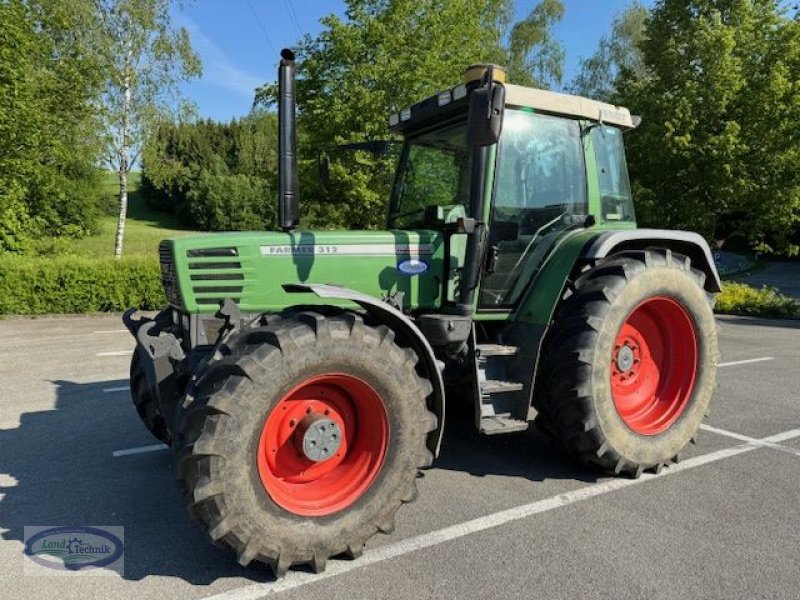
305,440
630,363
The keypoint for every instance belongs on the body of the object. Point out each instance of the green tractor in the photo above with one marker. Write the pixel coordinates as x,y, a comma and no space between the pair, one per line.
302,378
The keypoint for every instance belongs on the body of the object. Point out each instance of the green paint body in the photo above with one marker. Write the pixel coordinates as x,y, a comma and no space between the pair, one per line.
366,261
369,262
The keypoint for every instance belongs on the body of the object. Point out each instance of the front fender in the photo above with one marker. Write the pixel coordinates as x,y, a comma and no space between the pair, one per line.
402,324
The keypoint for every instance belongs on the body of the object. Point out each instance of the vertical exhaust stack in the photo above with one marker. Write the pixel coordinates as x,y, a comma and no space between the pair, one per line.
288,194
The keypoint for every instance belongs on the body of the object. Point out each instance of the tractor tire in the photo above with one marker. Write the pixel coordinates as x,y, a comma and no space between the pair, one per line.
629,366
145,402
242,450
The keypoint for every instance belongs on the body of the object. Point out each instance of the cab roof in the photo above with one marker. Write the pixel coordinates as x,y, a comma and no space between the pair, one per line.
569,106
449,103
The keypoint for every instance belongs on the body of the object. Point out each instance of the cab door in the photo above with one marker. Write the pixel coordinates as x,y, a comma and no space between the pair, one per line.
540,191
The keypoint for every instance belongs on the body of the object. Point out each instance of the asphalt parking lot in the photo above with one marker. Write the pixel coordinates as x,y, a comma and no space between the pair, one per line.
503,517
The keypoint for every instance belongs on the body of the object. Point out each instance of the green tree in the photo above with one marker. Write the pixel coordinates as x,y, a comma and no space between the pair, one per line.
144,58
618,52
363,67
719,145
201,169
48,81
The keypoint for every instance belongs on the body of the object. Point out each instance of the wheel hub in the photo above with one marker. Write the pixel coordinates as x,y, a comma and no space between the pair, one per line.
318,437
625,358
323,444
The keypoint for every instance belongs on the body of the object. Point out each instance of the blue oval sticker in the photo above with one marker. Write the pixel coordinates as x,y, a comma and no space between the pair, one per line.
412,266
74,548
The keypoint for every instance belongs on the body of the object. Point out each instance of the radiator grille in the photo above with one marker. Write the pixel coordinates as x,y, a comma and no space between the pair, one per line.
169,277
212,252
213,278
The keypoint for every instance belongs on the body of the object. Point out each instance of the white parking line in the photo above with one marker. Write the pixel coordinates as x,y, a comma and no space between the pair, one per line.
296,579
139,450
745,362
111,331
747,438
116,353
730,434
124,388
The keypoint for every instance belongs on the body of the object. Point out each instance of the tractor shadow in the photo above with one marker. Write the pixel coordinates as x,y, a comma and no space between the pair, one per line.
528,454
57,468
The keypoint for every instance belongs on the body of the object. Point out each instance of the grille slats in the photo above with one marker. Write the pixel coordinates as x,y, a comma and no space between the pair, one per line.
216,277
217,289
210,288
212,252
169,277
215,300
215,265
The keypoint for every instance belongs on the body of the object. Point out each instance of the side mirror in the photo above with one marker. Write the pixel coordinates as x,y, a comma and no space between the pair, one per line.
324,168
486,108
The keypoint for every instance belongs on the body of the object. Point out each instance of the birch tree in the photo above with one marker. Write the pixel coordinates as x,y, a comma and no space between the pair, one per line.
145,57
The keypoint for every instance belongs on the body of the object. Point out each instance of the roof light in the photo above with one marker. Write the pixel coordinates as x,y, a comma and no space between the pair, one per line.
444,98
394,119
459,91
476,73
405,114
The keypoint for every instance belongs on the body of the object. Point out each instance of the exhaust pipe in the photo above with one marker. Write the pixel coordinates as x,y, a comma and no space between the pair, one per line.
288,194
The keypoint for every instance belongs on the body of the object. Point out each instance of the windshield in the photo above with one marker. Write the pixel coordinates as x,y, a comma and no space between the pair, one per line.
434,171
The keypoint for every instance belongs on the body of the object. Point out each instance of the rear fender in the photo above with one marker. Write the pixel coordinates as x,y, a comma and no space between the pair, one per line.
687,243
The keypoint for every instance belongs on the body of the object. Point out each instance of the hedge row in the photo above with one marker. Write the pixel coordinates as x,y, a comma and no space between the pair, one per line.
742,299
70,284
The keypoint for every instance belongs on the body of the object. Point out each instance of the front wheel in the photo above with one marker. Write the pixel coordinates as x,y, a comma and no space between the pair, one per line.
304,440
630,363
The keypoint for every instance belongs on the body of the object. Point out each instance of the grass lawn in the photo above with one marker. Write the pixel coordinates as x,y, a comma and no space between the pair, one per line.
144,227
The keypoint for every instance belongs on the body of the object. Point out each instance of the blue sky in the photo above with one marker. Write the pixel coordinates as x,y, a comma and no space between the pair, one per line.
238,41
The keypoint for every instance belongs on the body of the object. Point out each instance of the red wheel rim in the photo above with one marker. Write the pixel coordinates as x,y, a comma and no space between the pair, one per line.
352,409
654,365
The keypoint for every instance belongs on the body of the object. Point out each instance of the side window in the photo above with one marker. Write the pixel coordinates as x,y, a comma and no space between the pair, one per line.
540,191
616,200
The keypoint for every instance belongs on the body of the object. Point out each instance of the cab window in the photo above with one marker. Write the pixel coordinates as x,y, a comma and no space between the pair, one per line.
616,200
540,191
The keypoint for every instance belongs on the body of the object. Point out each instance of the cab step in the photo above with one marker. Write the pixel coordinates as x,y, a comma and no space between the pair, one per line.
501,424
483,350
496,392
496,386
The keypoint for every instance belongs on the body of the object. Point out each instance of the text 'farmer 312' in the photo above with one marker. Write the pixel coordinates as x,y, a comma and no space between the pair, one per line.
302,378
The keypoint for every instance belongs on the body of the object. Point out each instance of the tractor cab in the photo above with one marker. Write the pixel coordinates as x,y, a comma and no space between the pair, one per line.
558,165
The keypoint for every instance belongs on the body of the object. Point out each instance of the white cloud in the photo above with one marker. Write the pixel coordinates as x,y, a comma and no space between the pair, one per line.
218,69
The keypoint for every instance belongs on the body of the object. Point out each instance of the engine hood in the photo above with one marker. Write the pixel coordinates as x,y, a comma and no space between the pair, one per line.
251,267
